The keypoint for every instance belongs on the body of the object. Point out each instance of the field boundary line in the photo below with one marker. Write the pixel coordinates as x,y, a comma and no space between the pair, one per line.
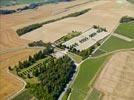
123,37
18,92
91,83
115,51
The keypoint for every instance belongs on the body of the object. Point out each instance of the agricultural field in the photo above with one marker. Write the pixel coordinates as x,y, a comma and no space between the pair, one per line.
57,20
116,79
114,43
94,95
87,73
10,59
25,95
99,10
126,29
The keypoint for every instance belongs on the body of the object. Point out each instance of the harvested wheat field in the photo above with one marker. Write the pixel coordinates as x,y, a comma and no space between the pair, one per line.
10,23
9,85
116,80
104,13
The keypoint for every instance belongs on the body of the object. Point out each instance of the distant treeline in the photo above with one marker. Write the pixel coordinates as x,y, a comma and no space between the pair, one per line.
37,25
131,1
126,19
4,12
31,6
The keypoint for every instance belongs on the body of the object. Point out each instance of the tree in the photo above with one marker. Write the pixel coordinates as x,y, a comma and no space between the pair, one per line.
21,65
10,68
31,60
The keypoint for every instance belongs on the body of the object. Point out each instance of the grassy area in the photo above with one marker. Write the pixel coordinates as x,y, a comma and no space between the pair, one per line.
114,43
68,37
94,95
25,95
126,29
33,80
98,52
65,97
86,76
75,57
131,1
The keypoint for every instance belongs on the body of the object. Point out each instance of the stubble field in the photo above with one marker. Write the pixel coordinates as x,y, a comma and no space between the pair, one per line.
116,80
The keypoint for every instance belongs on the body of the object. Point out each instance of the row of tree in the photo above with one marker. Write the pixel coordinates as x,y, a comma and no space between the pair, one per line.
35,26
126,19
40,55
28,29
38,44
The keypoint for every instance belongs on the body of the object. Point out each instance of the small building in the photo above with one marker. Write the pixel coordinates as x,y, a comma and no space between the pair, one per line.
58,54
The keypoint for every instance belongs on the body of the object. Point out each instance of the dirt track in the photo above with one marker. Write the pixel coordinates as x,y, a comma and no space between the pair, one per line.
116,80
8,84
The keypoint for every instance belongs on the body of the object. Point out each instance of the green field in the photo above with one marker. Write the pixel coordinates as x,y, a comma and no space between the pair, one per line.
85,78
75,57
25,95
65,97
126,29
131,1
114,43
98,52
94,95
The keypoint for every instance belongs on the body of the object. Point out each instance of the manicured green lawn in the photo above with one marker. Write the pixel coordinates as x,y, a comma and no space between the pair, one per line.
25,95
126,29
114,43
94,95
75,57
88,70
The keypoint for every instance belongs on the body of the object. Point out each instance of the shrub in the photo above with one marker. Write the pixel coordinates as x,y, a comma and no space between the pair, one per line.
126,19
